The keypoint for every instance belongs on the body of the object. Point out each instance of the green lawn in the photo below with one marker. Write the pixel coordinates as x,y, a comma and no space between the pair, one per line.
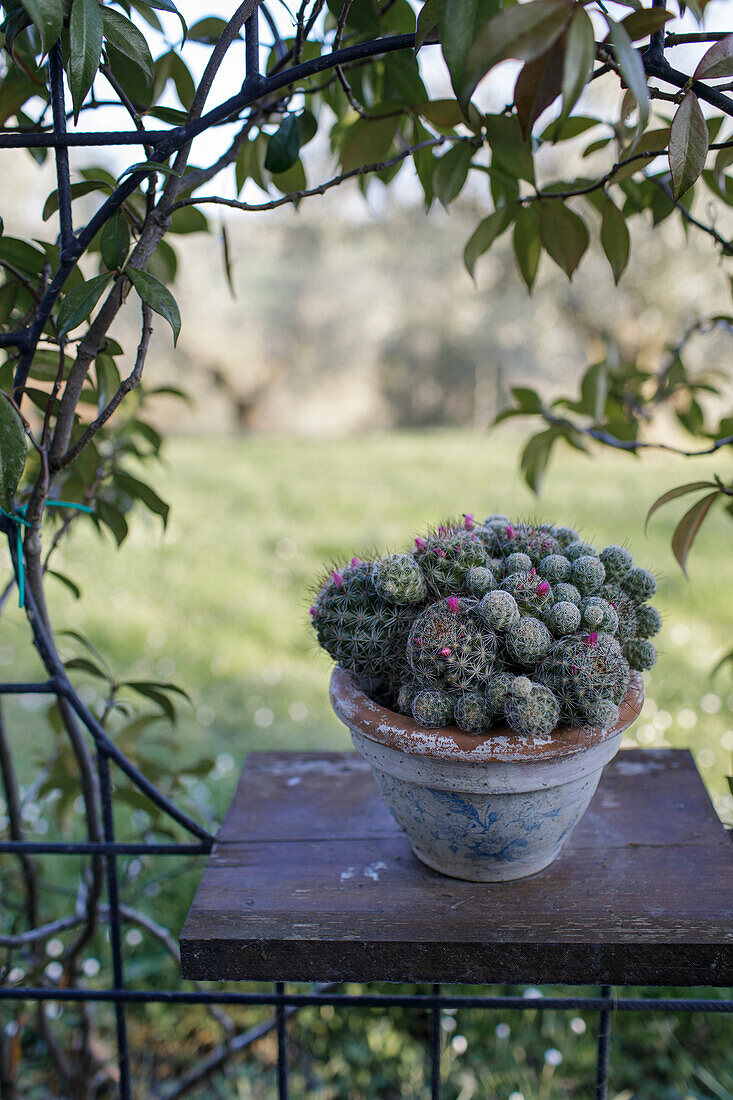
219,602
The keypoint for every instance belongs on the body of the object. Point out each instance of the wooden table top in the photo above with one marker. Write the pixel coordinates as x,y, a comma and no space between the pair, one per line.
311,879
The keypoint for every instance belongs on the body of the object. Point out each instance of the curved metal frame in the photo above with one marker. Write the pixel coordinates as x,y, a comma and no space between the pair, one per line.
73,244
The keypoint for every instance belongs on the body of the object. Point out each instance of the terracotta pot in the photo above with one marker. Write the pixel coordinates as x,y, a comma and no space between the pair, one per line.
489,808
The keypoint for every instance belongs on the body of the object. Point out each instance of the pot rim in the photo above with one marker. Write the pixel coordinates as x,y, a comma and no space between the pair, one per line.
361,714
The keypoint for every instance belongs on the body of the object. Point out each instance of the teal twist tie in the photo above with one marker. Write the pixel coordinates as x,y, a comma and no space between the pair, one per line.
18,518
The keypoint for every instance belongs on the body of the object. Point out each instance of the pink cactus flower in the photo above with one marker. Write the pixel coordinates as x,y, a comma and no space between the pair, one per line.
418,641
442,530
355,562
453,604
338,580
445,651
542,587
592,639
440,552
510,532
468,521
533,572
314,611
420,544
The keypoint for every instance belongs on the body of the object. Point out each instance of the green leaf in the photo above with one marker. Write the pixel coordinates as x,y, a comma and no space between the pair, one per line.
66,581
460,22
483,237
632,68
538,85
208,30
529,402
672,494
85,48
124,35
428,21
510,150
535,457
156,295
645,21
688,144
77,190
283,148
114,241
564,235
527,245
20,254
523,31
189,219
112,518
367,142
83,664
451,172
688,527
12,452
717,61
443,113
615,238
78,304
138,490
48,18
580,52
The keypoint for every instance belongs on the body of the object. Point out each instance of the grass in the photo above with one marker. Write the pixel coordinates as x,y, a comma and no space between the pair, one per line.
219,604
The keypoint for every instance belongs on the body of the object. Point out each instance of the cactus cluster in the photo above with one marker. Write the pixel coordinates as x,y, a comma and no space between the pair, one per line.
493,623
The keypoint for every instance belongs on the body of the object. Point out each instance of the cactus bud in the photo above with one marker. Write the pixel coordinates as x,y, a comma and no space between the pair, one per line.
420,544
453,603
468,521
338,580
445,651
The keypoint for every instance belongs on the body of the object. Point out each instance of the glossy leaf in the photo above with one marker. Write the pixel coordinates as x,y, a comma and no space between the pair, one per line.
484,236
156,295
451,172
632,68
367,142
460,23
717,61
535,457
523,31
645,22
564,235
538,85
689,526
114,241
673,494
48,18
428,21
77,191
688,144
78,304
527,245
124,35
12,452
283,148
615,238
85,48
580,52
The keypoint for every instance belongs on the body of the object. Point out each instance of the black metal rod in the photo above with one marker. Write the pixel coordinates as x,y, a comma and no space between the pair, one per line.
177,136
282,1043
252,50
603,1060
419,1001
435,1080
115,929
100,848
63,180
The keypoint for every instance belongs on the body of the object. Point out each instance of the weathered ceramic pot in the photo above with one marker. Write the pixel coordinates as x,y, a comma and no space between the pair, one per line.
487,808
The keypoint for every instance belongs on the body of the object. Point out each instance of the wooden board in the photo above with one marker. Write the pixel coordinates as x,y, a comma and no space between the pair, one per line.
311,879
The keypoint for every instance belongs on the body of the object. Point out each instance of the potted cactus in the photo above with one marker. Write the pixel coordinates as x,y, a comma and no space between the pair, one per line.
487,675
